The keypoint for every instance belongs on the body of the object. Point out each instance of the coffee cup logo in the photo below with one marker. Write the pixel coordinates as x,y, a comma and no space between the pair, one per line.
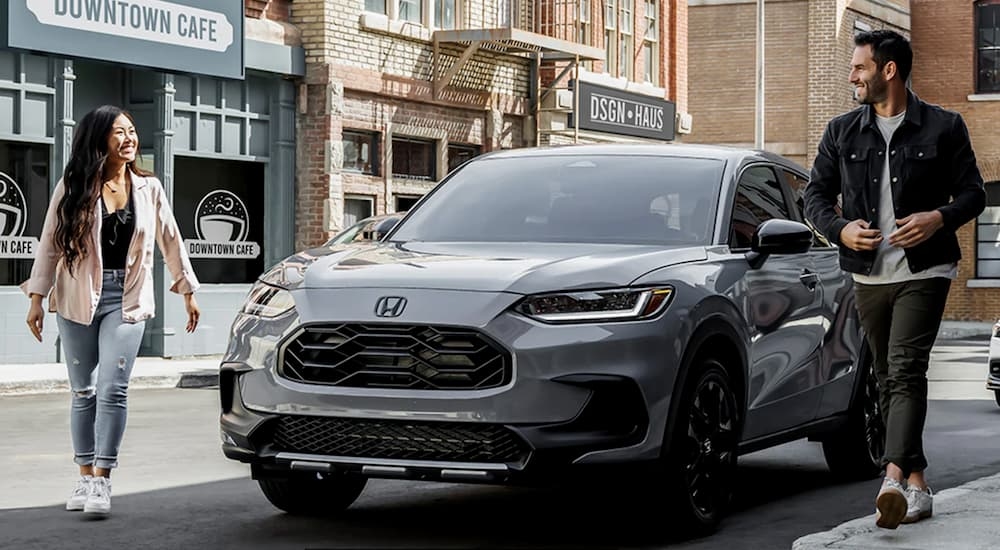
14,221
222,224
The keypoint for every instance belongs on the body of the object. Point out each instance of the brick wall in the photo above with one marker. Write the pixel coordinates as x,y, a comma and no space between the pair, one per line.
367,72
722,74
276,10
944,73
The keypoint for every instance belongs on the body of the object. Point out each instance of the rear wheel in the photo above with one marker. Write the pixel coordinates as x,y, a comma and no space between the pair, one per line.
313,494
700,466
855,451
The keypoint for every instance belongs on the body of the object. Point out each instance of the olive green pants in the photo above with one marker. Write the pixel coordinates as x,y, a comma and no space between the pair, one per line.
901,321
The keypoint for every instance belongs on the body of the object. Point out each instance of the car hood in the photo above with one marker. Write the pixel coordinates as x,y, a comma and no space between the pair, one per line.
488,267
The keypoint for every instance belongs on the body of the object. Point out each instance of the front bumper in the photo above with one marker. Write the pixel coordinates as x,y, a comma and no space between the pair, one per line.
579,395
993,375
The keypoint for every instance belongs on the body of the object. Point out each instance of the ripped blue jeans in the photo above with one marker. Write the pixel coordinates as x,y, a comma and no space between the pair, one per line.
99,358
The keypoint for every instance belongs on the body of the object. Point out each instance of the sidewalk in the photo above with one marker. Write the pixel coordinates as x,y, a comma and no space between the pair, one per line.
149,372
966,517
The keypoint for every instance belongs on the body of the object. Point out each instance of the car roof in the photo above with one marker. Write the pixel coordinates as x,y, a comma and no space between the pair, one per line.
689,150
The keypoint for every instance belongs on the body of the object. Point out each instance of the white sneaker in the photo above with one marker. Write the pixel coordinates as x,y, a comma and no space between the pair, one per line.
890,504
919,504
99,500
80,494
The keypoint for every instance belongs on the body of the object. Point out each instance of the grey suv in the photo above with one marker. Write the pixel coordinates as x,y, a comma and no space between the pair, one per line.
658,308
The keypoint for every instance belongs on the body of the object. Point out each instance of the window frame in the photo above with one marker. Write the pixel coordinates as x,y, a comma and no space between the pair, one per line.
374,141
370,199
978,8
995,185
786,203
431,142
428,12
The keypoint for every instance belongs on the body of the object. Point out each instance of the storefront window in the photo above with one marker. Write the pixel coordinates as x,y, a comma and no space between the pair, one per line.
219,206
24,198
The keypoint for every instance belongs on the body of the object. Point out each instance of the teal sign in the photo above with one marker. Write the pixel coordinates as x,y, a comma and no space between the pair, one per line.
191,36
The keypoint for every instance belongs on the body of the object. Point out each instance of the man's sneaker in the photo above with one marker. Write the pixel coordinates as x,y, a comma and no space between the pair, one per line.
99,501
919,504
890,504
80,494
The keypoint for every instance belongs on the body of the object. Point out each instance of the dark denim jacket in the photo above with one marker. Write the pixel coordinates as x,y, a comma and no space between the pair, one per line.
932,166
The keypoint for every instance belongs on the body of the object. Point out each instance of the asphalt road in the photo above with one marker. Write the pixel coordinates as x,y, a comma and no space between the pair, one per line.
175,490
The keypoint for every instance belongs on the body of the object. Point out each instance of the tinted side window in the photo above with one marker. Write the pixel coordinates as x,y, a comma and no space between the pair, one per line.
758,199
798,187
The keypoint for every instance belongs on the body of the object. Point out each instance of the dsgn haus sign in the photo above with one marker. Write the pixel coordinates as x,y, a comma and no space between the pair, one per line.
614,111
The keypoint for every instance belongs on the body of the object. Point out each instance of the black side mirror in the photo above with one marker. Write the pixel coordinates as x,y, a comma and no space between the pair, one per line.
778,237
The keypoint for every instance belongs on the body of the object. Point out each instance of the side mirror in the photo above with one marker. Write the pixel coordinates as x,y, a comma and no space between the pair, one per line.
384,228
778,237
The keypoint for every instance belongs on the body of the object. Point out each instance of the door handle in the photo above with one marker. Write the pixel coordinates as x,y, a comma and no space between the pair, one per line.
809,278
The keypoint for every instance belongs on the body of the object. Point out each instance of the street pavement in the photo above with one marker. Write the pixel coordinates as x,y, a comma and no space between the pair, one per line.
966,516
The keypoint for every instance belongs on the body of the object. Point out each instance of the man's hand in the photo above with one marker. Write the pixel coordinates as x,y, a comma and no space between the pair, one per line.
916,228
857,236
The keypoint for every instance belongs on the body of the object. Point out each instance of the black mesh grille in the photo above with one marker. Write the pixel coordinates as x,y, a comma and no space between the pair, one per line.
395,356
449,441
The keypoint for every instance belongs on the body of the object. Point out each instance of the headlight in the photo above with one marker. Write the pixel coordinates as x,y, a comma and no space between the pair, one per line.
597,305
268,301
996,329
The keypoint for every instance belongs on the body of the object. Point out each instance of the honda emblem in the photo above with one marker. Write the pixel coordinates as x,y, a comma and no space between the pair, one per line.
390,306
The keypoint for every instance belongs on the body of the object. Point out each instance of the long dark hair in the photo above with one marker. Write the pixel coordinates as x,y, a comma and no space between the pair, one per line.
82,182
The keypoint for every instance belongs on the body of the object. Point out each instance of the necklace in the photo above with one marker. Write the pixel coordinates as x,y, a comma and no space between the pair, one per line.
112,188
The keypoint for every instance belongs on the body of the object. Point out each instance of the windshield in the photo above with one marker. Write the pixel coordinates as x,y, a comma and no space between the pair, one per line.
621,199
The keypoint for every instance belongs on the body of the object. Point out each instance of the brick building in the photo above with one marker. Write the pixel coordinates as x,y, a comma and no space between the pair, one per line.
398,93
808,45
807,52
957,65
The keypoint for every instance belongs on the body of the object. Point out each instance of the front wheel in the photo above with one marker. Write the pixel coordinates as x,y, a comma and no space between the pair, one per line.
855,451
313,494
996,395
701,462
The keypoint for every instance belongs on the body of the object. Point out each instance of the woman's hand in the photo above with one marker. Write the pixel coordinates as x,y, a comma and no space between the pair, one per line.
36,316
191,305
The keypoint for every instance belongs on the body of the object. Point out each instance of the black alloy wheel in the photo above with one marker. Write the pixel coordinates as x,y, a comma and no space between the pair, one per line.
703,451
854,451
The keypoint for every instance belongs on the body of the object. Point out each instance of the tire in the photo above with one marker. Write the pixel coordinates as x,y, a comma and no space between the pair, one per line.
855,451
996,395
700,466
313,494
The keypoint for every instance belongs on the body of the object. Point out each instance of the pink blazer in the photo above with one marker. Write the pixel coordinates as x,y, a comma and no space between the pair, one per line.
75,297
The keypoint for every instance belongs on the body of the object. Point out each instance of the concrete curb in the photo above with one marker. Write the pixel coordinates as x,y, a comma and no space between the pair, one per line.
944,504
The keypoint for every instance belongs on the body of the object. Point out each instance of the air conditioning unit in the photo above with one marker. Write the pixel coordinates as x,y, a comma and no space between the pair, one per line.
684,121
564,99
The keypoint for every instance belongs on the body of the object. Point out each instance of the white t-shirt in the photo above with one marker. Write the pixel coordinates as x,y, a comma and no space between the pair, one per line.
890,261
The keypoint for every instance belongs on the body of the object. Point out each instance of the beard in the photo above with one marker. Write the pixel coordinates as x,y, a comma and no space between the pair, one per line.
876,91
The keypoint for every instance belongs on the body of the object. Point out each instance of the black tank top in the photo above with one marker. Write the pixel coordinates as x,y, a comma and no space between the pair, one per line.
116,234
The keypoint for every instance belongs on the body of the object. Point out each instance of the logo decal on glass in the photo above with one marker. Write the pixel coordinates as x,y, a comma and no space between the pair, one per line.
390,306
13,222
222,223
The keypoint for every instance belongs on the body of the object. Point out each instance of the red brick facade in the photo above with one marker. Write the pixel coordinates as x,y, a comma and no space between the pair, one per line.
944,72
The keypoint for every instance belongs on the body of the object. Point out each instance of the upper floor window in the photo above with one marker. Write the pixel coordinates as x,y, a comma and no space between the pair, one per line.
650,43
442,14
375,6
988,46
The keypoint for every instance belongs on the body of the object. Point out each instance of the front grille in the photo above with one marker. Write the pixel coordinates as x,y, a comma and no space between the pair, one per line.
448,441
395,356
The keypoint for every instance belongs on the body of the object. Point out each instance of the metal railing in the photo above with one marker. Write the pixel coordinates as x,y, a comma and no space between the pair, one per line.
555,18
